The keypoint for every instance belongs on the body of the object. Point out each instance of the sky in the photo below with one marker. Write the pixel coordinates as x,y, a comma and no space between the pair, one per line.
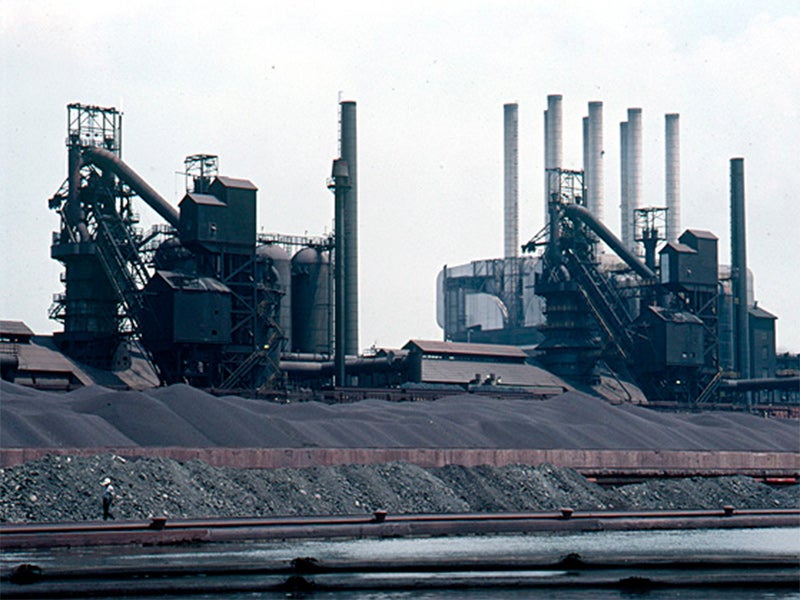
259,83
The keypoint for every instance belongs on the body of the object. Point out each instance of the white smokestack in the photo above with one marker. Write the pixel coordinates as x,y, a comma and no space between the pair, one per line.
586,166
624,200
594,165
552,146
634,173
510,179
672,178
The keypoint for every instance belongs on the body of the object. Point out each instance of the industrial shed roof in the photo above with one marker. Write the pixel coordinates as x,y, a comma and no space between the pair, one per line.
700,234
16,330
204,199
760,313
429,347
678,247
463,372
232,182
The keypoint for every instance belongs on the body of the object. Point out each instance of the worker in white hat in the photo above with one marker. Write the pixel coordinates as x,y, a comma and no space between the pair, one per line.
108,498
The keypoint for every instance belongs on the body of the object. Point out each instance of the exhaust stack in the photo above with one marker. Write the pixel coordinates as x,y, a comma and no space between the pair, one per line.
739,271
593,161
511,179
553,156
349,155
672,176
632,157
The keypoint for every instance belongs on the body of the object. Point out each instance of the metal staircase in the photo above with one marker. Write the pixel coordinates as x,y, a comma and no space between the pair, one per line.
604,302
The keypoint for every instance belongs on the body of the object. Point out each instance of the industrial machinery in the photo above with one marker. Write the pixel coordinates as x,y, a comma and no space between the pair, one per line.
208,300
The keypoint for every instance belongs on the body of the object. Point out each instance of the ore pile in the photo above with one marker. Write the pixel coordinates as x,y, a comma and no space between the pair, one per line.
67,488
178,415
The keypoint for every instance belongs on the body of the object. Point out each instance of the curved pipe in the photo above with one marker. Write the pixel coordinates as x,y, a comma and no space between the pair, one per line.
576,211
107,160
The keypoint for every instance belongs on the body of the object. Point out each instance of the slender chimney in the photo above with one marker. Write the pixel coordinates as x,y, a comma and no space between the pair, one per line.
634,173
593,163
553,148
624,201
741,338
510,180
341,186
672,175
349,155
587,168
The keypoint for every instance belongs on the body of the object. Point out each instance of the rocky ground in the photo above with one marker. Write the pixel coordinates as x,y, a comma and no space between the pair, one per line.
59,488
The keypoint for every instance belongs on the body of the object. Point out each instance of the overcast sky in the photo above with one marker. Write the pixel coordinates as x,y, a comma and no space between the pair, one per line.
258,83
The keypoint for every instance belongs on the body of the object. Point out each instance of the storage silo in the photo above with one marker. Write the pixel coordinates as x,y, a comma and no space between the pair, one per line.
311,302
274,274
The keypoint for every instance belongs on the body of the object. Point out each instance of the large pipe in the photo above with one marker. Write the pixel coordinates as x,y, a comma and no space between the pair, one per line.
634,152
593,164
739,270
579,212
510,180
108,160
349,152
553,148
73,210
672,175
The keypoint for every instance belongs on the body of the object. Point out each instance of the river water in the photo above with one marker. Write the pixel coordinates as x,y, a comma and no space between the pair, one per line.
551,546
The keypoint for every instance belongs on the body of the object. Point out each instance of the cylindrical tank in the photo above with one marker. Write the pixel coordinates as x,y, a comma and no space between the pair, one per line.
311,301
274,274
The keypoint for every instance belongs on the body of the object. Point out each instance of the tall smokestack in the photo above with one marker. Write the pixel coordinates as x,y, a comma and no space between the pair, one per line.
672,175
510,179
340,185
587,168
593,162
741,336
350,156
624,200
634,173
552,147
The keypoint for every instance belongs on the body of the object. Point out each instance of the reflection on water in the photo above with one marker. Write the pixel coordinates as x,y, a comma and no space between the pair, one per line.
540,546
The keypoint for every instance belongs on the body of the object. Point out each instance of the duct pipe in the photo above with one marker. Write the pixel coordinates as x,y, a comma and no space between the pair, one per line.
739,270
624,200
73,211
594,162
553,148
672,175
579,212
349,154
510,180
634,173
341,185
108,160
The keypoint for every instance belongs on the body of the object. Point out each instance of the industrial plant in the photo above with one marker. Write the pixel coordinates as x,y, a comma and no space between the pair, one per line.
204,299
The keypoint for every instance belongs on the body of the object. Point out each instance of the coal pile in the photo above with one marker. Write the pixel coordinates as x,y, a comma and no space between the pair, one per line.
179,415
67,488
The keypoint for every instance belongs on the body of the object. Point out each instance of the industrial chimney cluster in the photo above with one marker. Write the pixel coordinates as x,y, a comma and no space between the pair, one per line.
676,318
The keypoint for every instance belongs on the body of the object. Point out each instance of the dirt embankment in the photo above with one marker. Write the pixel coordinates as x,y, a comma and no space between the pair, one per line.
63,488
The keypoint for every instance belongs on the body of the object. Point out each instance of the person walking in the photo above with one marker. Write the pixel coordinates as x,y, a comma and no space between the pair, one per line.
108,498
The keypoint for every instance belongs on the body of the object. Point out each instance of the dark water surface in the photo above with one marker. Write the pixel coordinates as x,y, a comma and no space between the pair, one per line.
542,547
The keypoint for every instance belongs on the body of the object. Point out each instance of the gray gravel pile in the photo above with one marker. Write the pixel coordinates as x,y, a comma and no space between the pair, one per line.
179,415
67,488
